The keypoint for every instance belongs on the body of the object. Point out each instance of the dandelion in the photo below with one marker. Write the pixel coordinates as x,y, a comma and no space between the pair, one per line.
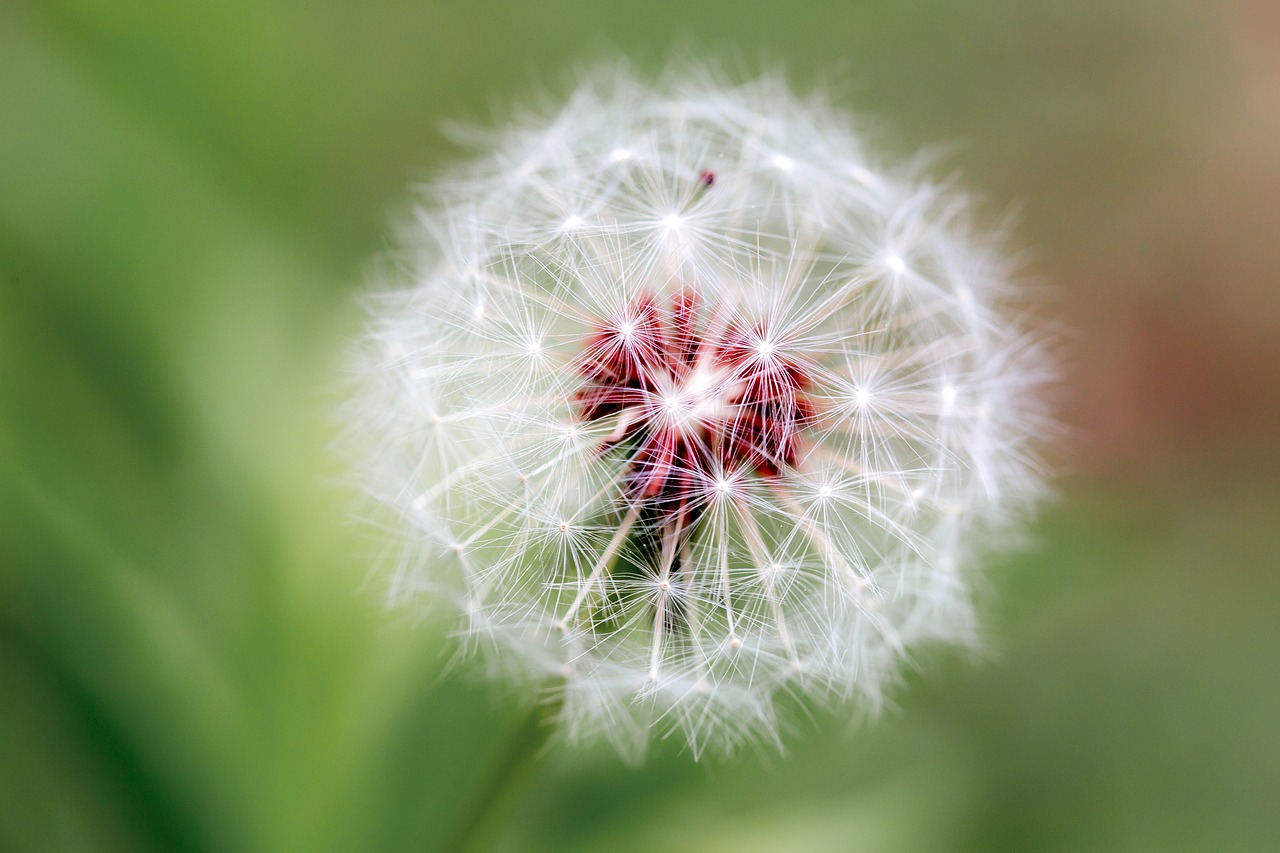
683,401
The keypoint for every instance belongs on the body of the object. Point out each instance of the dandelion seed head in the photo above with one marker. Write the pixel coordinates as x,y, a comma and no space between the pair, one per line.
722,443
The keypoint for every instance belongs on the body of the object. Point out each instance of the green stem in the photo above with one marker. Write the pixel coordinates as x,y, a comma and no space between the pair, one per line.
479,830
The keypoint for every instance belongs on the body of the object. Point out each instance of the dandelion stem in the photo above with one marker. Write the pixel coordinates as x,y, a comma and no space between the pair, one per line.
482,824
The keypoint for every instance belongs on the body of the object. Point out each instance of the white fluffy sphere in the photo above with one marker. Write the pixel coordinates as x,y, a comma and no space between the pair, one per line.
682,400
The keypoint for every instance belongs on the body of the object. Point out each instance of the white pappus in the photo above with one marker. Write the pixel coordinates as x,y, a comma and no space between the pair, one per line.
682,400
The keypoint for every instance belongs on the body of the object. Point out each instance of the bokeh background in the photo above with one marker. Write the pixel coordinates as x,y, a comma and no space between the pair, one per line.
192,654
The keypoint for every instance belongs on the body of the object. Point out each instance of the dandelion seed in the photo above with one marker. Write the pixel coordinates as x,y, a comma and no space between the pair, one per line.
677,475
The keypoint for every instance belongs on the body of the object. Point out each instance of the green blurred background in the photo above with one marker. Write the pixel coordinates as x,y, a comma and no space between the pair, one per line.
192,653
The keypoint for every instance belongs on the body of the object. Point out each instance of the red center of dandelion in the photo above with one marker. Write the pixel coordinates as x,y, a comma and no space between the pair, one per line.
699,396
